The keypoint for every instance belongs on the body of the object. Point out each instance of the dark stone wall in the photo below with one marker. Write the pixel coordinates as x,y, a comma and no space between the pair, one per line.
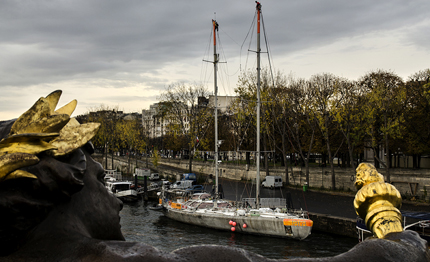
334,225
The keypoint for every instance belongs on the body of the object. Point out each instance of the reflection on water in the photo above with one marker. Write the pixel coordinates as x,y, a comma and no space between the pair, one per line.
151,227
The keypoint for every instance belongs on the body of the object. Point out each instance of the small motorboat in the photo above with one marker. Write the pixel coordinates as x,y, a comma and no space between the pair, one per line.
156,207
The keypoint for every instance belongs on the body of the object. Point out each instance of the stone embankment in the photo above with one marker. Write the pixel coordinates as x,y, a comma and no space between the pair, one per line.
409,182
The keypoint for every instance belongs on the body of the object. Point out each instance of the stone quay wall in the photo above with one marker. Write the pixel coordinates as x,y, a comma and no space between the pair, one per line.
410,182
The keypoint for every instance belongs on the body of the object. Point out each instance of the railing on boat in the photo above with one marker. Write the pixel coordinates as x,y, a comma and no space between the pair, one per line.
113,173
265,202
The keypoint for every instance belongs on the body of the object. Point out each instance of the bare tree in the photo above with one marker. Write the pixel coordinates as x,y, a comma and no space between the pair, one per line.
247,91
279,115
185,115
347,115
301,122
323,91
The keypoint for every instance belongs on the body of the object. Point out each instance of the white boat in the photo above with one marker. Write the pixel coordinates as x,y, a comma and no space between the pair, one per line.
156,207
246,217
200,210
122,190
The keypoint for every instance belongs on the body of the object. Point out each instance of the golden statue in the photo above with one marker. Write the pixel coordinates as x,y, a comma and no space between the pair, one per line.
377,202
40,129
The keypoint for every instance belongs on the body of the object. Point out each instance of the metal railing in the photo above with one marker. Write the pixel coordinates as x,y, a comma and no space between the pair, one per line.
265,202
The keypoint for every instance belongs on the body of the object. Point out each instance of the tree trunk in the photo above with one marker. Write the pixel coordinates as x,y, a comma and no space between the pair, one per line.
106,156
323,160
136,159
330,158
191,162
129,162
376,152
112,166
146,155
307,171
112,160
353,164
387,159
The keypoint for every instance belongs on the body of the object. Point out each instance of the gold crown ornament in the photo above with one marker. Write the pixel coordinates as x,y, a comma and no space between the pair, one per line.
42,129
377,202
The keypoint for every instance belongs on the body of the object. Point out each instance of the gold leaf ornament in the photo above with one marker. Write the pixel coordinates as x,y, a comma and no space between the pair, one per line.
29,119
67,109
73,136
9,163
377,202
31,146
42,118
42,129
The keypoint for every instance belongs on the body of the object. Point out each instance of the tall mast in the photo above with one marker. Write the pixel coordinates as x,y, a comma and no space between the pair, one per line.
215,28
257,154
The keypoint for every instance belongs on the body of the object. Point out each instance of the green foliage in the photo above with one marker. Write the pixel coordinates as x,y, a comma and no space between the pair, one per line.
156,158
416,127
131,135
382,109
325,114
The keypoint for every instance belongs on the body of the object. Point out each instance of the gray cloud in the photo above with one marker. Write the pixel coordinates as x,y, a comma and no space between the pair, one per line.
49,42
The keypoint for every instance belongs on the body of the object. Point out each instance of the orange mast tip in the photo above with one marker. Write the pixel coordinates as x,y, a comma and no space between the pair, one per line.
215,27
258,5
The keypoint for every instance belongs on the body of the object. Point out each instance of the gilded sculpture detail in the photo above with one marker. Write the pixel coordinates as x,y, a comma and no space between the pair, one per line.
40,129
377,202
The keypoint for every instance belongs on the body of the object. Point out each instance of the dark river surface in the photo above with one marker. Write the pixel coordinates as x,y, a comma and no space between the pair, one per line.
140,224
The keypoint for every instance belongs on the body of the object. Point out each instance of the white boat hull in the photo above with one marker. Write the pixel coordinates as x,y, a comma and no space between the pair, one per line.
127,195
270,225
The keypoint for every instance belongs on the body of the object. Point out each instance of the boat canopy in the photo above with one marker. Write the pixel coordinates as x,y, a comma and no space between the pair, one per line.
416,215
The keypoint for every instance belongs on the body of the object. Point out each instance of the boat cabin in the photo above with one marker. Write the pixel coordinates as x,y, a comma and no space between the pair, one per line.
118,186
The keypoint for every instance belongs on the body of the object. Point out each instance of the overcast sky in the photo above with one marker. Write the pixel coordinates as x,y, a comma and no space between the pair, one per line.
125,53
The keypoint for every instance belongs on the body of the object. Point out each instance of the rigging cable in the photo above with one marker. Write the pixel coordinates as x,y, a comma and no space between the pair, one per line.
225,69
203,72
223,84
274,98
252,32
267,48
224,53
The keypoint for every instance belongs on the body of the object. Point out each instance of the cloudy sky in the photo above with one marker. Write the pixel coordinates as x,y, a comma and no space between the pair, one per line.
125,53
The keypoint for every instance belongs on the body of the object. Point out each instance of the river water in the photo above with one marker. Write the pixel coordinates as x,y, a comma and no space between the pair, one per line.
140,224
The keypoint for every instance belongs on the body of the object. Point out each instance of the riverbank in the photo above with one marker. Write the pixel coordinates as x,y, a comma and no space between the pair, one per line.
411,183
331,210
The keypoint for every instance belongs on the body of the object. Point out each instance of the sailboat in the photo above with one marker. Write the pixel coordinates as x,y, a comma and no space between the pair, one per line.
204,210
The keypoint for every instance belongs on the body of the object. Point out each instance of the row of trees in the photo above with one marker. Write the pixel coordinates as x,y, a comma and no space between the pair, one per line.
117,133
325,114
